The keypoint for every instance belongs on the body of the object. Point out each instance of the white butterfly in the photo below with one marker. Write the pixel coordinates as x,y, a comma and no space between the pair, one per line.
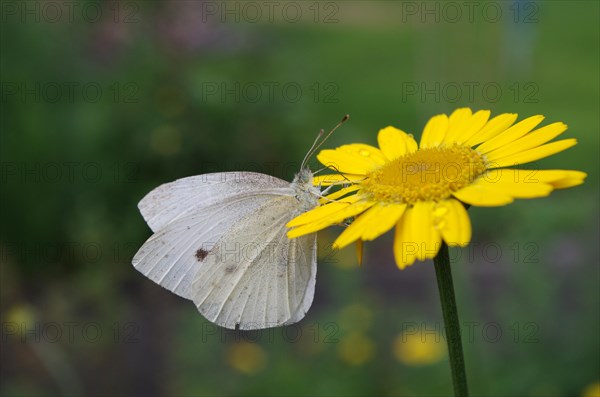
220,240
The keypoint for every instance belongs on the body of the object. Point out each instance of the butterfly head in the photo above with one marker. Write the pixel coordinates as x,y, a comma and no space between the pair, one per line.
306,193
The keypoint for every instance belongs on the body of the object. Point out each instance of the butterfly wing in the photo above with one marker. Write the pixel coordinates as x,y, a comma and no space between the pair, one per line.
190,215
255,277
305,250
187,195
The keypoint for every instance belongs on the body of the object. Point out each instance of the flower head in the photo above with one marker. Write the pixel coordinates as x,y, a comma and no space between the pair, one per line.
462,159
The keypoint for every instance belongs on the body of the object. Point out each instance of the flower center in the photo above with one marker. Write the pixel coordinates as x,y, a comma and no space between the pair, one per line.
430,174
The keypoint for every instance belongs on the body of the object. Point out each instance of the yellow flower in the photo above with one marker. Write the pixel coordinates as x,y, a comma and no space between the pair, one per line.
419,349
356,349
421,190
247,358
592,390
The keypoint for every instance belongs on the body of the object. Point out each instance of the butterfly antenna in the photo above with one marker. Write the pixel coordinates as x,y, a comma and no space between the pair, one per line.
316,145
319,135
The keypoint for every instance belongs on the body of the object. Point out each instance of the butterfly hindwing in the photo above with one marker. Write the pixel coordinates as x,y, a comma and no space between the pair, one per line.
305,258
255,277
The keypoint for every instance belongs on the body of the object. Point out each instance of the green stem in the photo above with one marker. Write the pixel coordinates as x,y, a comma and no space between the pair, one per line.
451,323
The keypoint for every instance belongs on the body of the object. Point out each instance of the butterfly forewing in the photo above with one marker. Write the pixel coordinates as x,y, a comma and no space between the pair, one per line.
190,215
186,195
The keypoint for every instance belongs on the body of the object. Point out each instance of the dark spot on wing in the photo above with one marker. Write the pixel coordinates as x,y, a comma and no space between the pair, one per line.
201,254
237,326
230,269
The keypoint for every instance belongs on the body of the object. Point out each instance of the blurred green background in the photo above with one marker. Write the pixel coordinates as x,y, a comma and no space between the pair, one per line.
101,102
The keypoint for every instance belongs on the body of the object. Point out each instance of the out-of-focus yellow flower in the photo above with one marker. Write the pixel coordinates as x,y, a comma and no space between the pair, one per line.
247,358
418,349
592,390
356,349
22,314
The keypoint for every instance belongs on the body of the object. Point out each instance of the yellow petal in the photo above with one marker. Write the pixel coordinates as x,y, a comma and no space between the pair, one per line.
434,131
452,220
371,224
477,122
345,162
551,176
332,179
568,178
322,211
307,229
356,229
566,183
558,179
534,154
395,143
509,175
531,140
482,196
511,134
367,152
472,126
359,252
340,193
424,230
504,184
416,235
458,121
331,219
518,189
493,127
512,175
388,217
405,252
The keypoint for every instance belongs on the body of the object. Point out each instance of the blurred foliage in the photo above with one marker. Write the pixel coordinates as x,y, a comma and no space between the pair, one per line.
73,170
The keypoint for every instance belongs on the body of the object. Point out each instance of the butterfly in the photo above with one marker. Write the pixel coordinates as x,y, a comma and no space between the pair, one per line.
220,240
